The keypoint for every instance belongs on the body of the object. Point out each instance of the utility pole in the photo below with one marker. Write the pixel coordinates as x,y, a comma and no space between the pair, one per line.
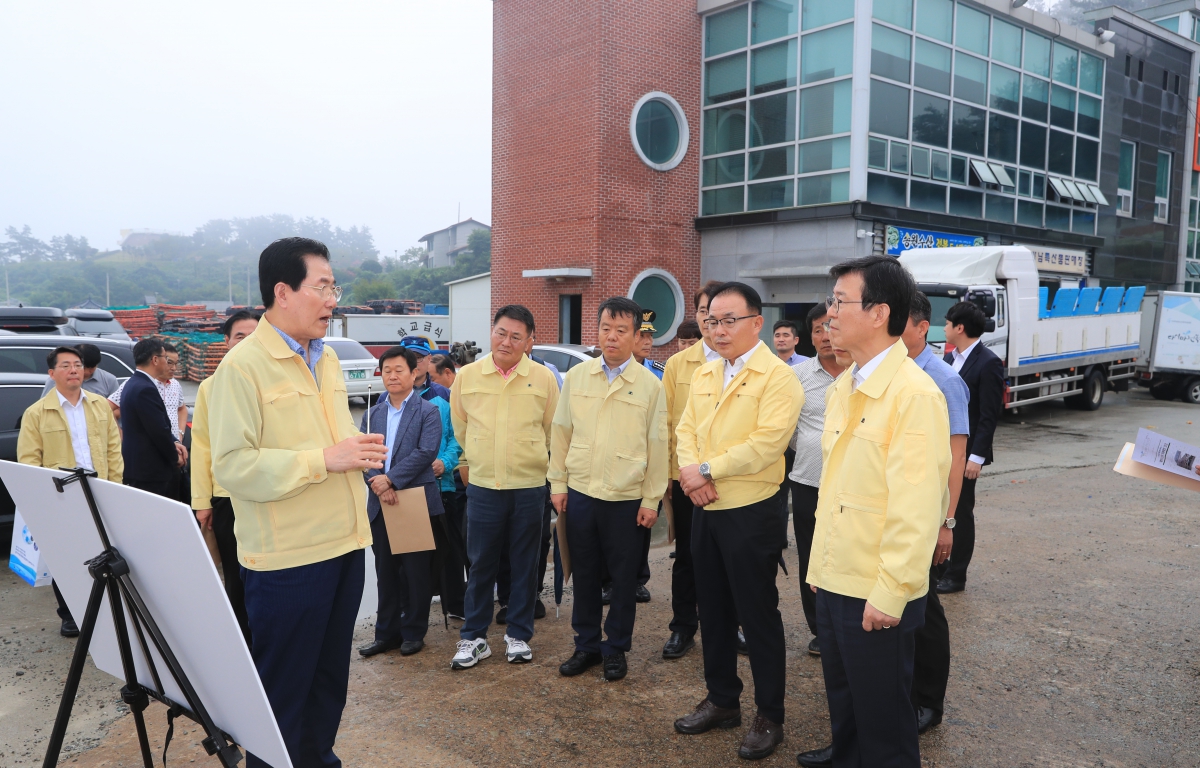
230,283
107,292
7,294
248,302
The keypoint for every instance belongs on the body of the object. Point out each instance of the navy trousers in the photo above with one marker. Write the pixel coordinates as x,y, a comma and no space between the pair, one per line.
683,576
964,534
931,662
604,532
504,574
231,570
868,681
736,555
405,588
496,518
804,523
302,621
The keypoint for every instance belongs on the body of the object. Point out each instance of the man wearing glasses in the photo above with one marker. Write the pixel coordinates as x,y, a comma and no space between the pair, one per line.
740,414
287,451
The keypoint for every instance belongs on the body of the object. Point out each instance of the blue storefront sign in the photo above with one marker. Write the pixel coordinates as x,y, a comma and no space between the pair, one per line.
901,239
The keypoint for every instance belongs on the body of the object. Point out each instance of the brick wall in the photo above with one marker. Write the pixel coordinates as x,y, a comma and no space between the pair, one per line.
568,189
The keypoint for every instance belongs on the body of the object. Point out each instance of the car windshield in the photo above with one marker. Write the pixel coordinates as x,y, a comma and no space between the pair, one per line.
937,318
349,349
98,326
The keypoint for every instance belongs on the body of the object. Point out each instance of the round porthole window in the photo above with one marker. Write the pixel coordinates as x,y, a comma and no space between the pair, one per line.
659,131
658,290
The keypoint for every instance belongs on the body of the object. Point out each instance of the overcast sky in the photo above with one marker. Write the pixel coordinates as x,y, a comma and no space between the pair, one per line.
165,115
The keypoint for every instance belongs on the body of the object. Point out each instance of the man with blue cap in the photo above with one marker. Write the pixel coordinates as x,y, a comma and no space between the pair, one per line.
425,387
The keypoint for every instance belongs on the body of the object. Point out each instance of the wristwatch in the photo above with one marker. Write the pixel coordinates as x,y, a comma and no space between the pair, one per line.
706,471
949,523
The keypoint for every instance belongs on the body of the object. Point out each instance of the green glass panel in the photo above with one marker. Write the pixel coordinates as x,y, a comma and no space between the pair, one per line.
1066,60
773,119
1091,73
1005,92
939,166
1162,178
724,170
1035,99
1037,54
935,18
769,163
772,19
725,32
724,129
970,78
1006,42
1087,156
773,67
877,153
999,208
1061,153
1062,108
899,157
924,196
971,30
725,200
825,109
830,188
1125,167
1033,146
1058,218
1171,24
1089,115
931,120
889,109
772,194
827,54
897,12
920,162
826,155
931,67
1195,183
1029,214
1002,138
657,131
1083,222
890,53
968,129
655,293
887,190
725,79
818,13
964,202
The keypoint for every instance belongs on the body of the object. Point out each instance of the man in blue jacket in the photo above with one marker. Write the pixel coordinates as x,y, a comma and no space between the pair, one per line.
412,430
423,383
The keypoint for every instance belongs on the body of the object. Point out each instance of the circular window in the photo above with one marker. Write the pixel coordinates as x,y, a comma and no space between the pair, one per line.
659,290
659,131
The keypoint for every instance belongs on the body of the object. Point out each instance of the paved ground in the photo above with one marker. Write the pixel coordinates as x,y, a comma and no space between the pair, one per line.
1073,645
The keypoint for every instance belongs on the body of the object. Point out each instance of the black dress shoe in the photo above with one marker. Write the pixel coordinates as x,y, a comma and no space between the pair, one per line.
762,738
947,586
643,594
816,758
502,615
814,649
927,718
741,643
378,647
539,609
614,666
580,662
605,595
707,716
68,628
677,645
409,647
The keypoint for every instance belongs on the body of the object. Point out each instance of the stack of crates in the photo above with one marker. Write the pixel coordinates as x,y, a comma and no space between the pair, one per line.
137,321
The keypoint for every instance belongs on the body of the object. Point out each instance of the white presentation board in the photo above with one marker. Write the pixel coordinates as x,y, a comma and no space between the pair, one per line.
172,570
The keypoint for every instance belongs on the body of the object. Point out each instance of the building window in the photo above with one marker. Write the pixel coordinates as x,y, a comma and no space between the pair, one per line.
659,131
1162,188
1125,174
570,319
658,290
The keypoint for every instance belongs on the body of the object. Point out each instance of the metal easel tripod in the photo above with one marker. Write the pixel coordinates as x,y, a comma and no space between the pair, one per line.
110,573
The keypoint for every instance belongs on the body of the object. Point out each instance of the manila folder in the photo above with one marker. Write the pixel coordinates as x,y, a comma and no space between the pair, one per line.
1126,465
407,522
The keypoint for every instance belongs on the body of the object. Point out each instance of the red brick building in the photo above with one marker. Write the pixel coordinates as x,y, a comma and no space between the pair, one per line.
581,210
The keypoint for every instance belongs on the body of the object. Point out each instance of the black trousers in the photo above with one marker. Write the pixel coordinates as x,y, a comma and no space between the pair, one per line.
785,489
449,562
64,612
167,487
684,617
643,574
404,589
804,522
964,533
868,681
931,663
222,524
736,555
604,532
504,574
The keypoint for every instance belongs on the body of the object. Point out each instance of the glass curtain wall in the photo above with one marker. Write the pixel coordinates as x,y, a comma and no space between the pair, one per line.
776,100
973,115
1191,266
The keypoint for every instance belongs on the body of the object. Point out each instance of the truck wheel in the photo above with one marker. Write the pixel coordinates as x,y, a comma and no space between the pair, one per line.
1092,392
1191,392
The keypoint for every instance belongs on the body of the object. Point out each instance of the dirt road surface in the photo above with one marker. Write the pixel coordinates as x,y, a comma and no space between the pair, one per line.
1075,645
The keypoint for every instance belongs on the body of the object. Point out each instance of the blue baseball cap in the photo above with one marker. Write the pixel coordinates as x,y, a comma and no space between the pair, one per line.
418,344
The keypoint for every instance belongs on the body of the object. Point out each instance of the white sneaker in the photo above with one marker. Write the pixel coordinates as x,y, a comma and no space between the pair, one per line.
470,653
519,651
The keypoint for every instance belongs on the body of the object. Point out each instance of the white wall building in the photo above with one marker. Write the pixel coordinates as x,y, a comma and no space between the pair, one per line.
471,310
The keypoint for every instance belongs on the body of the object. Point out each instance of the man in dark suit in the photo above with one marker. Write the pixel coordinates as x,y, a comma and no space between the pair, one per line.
412,430
153,455
983,372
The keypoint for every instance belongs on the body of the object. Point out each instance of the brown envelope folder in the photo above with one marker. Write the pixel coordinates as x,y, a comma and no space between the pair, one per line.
407,522
1127,466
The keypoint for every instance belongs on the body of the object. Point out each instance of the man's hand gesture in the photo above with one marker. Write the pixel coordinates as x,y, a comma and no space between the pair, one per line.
356,453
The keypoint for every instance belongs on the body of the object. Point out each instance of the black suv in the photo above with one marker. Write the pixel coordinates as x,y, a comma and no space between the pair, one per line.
40,320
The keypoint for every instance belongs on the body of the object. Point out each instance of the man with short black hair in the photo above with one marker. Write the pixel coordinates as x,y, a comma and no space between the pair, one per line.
786,336
983,372
739,417
443,370
95,379
151,448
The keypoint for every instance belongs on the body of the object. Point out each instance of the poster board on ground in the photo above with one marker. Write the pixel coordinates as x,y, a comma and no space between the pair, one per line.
170,566
25,557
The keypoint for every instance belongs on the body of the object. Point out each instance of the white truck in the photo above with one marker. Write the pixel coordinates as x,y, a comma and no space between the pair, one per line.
1170,364
379,332
1083,343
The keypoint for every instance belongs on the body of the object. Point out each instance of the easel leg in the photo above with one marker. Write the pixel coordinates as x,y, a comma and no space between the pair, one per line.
132,694
73,675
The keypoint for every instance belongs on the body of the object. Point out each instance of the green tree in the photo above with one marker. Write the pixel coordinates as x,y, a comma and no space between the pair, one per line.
366,289
371,266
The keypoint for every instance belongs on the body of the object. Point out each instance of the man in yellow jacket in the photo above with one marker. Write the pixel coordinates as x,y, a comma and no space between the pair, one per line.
286,449
70,428
884,494
608,473
677,384
501,406
739,418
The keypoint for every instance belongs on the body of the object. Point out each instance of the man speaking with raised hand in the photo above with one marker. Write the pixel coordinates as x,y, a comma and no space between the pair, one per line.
285,448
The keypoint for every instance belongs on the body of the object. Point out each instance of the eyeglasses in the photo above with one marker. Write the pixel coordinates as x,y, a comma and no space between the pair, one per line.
825,325
325,291
728,322
69,367
516,338
834,303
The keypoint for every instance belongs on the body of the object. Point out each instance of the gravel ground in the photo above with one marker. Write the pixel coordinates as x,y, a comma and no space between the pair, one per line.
1073,645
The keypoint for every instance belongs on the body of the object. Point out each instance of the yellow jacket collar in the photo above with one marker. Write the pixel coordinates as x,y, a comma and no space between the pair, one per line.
272,341
877,383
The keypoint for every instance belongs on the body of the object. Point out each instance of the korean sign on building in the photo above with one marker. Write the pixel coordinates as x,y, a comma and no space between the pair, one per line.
901,239
1058,259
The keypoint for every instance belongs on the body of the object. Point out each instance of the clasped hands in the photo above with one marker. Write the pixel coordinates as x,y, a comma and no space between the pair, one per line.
383,488
698,488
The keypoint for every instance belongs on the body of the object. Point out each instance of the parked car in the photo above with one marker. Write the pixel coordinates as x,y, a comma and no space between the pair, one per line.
359,368
95,322
18,391
564,357
26,353
41,320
